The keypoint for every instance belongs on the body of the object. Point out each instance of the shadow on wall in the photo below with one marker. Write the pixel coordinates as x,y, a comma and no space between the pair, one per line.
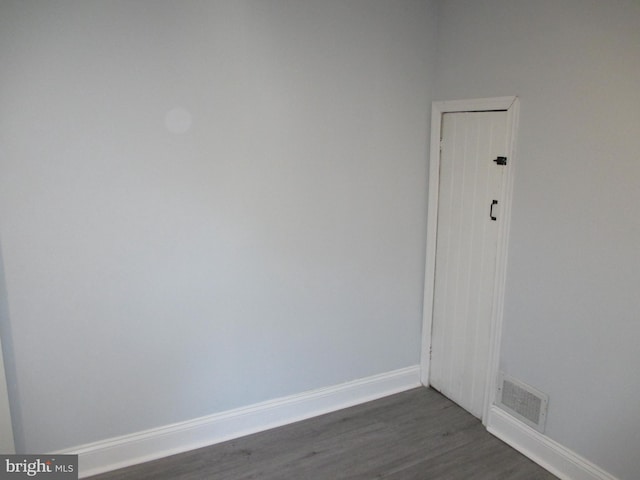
9,364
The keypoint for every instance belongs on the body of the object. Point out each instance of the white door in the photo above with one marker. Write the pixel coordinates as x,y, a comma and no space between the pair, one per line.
473,146
6,432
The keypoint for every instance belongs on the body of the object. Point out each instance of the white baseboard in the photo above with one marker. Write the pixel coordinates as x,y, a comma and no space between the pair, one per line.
559,460
180,437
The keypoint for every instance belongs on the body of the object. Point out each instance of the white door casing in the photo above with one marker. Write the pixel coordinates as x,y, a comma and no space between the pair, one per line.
464,278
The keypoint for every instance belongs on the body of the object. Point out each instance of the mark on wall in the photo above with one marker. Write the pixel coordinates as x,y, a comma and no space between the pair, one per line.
178,120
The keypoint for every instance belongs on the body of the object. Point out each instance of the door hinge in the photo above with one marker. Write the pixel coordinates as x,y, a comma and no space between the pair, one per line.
501,160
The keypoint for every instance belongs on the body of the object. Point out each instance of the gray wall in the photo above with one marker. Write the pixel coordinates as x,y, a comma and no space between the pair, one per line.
277,245
572,304
273,247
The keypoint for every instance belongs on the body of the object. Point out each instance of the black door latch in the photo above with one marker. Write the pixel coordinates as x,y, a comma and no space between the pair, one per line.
501,160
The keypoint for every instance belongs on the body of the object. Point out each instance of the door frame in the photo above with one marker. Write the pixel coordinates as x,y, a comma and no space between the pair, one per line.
511,106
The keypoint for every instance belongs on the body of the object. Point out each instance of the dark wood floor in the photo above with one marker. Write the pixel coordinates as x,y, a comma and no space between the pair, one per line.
417,434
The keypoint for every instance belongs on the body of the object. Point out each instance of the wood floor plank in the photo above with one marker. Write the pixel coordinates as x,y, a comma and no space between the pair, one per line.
414,435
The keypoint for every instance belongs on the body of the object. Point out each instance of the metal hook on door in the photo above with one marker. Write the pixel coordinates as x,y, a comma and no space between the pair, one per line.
493,203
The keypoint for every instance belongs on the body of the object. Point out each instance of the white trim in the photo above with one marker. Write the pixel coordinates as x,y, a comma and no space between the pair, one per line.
180,437
511,105
432,223
559,460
